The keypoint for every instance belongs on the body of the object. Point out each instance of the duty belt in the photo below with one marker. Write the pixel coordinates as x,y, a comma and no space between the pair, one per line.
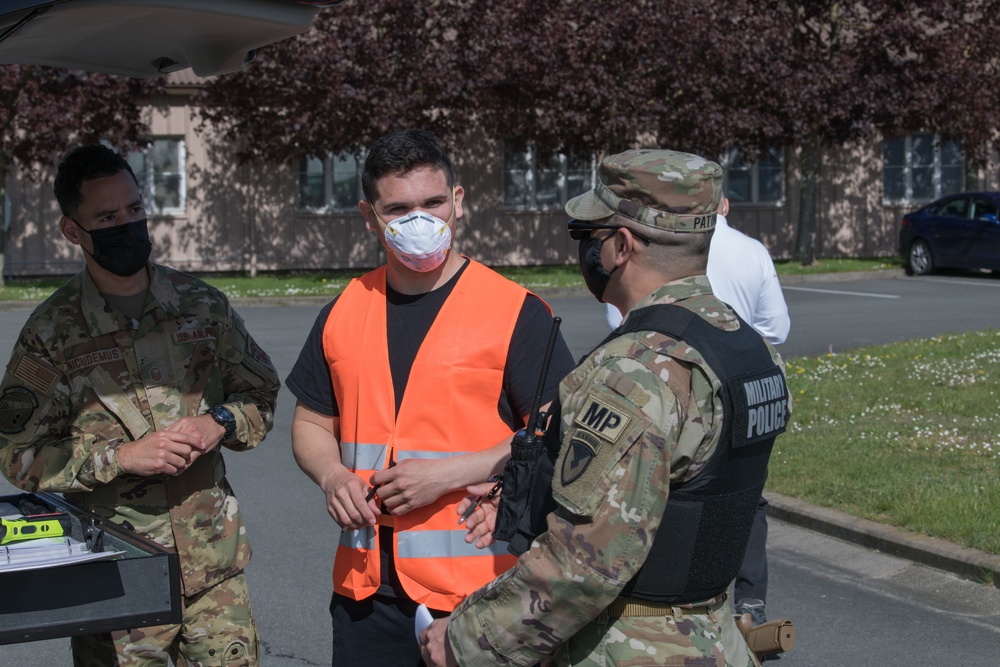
626,606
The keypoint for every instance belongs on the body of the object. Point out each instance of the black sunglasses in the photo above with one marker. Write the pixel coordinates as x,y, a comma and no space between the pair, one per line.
580,230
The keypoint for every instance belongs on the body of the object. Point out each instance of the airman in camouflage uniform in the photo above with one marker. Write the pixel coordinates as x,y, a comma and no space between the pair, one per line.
105,399
641,415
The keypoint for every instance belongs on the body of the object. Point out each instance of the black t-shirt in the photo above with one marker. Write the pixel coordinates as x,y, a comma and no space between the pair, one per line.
409,318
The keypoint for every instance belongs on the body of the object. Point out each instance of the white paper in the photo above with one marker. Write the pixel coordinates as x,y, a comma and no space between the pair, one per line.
422,620
48,552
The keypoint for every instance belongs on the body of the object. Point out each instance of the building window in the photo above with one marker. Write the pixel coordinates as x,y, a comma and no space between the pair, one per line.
533,182
160,170
920,167
332,183
760,182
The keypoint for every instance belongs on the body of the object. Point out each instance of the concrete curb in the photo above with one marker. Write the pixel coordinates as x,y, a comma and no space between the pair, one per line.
962,561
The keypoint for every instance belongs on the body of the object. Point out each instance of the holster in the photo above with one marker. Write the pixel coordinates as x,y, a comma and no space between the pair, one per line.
767,638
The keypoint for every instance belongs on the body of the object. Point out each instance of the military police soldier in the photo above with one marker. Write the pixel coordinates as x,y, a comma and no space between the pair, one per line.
120,391
666,429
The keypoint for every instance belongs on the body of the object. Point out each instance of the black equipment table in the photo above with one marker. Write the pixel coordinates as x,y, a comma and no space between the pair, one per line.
138,589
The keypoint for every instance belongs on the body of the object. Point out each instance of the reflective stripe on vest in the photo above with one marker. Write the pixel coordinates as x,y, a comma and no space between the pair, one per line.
362,456
363,538
424,543
449,409
443,544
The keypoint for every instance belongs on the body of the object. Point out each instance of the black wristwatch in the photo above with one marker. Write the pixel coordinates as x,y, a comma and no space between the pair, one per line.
223,416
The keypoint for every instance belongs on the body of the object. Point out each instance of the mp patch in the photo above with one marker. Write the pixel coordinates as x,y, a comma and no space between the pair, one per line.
601,419
17,404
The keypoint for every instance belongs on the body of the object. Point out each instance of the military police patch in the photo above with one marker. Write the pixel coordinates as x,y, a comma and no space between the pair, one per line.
16,407
760,406
601,419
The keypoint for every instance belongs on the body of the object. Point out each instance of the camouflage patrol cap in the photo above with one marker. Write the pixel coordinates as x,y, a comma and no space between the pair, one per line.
677,192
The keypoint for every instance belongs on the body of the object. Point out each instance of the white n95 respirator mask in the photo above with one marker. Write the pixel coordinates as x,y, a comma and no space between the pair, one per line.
419,240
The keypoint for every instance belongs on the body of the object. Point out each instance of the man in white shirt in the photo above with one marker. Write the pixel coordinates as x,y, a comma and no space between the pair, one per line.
742,275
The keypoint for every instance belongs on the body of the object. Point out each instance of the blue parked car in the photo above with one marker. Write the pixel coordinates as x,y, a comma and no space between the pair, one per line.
959,231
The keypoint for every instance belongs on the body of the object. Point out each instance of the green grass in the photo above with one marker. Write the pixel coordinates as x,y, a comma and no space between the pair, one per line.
328,283
905,434
839,265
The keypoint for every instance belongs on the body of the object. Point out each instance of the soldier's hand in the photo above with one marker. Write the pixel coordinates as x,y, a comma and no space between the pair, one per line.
208,431
159,453
434,646
483,521
410,484
345,500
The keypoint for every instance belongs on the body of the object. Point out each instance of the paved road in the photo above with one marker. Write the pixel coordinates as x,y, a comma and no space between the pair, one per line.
839,316
851,606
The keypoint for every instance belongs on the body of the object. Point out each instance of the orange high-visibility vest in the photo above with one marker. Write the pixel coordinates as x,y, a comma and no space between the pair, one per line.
449,408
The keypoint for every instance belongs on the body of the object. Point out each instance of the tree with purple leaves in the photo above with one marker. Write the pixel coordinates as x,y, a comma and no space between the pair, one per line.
603,75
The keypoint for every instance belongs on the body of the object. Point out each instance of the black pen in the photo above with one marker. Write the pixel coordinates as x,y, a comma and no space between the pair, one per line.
479,501
371,494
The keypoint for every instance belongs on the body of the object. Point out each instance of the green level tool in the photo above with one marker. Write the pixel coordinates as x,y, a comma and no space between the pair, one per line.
34,526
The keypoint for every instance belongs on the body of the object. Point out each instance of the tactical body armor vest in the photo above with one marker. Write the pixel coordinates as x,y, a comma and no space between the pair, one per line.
701,540
700,543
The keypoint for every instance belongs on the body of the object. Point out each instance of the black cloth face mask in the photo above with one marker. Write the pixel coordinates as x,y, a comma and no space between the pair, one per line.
123,249
594,273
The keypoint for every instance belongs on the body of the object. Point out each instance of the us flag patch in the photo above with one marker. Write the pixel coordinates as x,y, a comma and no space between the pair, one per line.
35,374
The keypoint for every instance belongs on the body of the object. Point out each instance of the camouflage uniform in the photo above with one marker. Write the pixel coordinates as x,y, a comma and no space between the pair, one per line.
608,512
83,379
661,418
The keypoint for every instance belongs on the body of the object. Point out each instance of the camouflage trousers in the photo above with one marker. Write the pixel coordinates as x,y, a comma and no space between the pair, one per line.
706,636
217,630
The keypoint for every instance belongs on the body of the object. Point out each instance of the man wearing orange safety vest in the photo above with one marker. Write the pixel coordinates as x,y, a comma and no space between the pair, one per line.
409,389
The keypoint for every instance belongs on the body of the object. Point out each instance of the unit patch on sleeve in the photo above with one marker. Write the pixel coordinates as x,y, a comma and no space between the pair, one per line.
16,407
582,449
603,428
